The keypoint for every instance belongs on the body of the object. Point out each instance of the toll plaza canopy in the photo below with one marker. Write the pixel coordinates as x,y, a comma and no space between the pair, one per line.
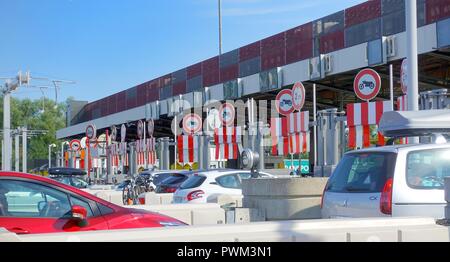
328,52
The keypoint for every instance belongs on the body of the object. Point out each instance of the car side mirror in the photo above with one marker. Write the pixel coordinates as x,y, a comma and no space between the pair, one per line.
79,215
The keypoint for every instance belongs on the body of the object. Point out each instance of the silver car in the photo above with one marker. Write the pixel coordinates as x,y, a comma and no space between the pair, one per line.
402,180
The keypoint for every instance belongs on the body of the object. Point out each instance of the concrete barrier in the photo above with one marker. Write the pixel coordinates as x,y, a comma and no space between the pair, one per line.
284,198
192,214
112,196
153,198
349,230
226,200
243,216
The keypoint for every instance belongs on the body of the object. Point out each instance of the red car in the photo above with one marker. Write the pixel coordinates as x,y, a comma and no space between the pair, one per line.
32,204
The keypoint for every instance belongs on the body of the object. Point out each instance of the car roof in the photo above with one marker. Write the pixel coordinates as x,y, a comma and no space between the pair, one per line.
55,183
66,171
396,148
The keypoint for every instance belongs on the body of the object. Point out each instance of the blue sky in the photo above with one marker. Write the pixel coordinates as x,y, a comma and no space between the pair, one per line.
110,45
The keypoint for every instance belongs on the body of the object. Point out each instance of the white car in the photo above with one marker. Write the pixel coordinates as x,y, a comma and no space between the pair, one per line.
203,185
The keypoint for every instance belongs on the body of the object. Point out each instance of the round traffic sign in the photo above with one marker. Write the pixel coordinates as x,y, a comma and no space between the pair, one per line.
404,76
227,114
91,131
284,102
150,127
192,123
123,133
367,84
75,145
140,129
101,141
298,94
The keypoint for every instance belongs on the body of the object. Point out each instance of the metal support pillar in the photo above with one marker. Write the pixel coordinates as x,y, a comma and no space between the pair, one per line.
17,152
204,155
434,99
315,123
412,56
7,131
261,151
24,150
132,159
328,154
165,153
207,152
86,159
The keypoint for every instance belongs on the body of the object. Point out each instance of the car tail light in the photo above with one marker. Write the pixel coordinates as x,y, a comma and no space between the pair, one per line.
386,198
170,190
142,200
195,195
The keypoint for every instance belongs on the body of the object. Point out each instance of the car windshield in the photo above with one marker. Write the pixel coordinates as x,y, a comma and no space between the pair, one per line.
79,183
174,179
362,172
193,182
427,169
158,178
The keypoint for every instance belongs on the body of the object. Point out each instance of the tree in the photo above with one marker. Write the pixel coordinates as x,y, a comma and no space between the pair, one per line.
40,114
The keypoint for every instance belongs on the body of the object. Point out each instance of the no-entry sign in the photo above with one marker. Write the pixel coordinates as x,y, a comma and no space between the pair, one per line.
298,94
284,102
367,84
192,124
227,114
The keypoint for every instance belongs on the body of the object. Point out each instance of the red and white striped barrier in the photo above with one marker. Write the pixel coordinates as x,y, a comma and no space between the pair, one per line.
363,114
188,148
299,143
228,151
298,122
360,117
228,141
280,145
146,150
290,135
114,152
402,103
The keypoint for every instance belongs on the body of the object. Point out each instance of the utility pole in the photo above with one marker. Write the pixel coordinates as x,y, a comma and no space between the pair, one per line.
11,85
16,149
24,149
220,26
412,56
7,145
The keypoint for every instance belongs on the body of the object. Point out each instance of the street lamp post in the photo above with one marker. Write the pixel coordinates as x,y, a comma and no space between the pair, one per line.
50,155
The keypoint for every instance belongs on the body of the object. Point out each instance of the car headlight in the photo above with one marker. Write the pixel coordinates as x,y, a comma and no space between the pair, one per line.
171,224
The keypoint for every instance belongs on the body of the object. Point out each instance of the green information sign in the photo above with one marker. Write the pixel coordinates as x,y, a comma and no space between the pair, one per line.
304,165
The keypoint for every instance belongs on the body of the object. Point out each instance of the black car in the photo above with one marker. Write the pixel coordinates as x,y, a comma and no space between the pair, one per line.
69,176
172,181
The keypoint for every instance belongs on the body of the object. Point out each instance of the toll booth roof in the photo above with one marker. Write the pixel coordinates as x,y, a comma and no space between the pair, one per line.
415,123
